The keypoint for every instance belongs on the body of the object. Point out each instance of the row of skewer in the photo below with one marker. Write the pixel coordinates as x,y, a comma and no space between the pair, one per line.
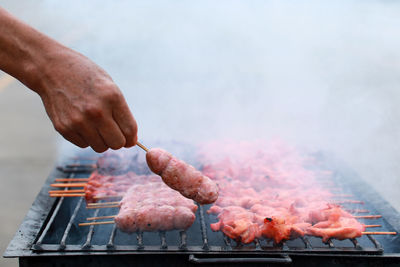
81,182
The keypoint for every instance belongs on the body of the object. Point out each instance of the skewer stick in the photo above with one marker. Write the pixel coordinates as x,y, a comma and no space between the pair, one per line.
102,207
103,203
101,217
95,223
368,217
72,179
68,195
105,197
67,191
142,147
69,185
372,225
379,233
358,211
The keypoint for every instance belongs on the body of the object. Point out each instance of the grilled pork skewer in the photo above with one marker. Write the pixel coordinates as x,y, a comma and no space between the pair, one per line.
152,206
177,174
182,177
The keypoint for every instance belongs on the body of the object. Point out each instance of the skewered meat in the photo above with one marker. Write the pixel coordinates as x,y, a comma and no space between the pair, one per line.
182,177
152,207
265,191
336,223
100,185
237,223
280,229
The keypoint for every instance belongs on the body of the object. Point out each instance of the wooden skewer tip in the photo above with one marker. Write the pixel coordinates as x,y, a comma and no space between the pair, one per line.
142,146
68,195
69,185
100,217
95,223
102,207
368,217
67,191
104,203
379,233
105,197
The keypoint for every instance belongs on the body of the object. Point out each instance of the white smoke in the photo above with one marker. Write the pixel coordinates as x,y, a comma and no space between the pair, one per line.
322,74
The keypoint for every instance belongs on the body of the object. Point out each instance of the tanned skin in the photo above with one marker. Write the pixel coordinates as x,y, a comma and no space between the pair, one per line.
84,104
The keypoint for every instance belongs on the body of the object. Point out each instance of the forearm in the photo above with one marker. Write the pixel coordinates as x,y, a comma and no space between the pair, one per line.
24,51
81,99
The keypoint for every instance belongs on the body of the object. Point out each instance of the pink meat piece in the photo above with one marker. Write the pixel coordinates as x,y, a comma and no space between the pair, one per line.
154,207
182,177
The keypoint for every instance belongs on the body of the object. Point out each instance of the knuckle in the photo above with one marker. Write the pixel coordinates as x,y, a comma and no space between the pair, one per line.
131,136
61,128
112,94
79,143
99,149
117,144
93,111
76,122
82,145
130,140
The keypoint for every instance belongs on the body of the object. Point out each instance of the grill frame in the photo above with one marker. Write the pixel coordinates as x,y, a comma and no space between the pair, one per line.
25,242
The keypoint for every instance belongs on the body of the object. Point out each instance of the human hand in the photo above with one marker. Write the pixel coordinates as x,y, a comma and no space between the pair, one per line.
85,105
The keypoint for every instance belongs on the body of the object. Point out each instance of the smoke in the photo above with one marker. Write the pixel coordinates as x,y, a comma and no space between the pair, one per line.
323,75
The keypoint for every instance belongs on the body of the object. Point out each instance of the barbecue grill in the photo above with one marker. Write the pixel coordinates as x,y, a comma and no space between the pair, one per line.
50,235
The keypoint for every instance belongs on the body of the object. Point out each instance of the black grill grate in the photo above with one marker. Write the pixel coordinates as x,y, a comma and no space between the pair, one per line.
50,234
62,233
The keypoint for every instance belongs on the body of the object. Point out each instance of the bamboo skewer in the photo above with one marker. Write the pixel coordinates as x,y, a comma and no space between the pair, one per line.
95,223
368,217
105,197
69,185
103,203
68,195
72,179
379,233
372,225
67,191
358,211
102,207
142,146
100,217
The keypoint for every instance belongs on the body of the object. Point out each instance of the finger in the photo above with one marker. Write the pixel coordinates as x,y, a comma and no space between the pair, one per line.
93,138
111,134
126,122
75,139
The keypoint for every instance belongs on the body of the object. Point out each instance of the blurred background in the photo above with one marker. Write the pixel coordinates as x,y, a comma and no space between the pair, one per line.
320,75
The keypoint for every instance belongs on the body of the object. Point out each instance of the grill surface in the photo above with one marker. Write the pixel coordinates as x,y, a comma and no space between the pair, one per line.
51,229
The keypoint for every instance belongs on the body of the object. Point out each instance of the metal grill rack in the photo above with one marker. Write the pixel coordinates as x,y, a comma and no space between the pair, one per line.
50,234
205,241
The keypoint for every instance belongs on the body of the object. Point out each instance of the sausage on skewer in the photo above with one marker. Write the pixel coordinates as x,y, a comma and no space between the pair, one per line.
182,177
